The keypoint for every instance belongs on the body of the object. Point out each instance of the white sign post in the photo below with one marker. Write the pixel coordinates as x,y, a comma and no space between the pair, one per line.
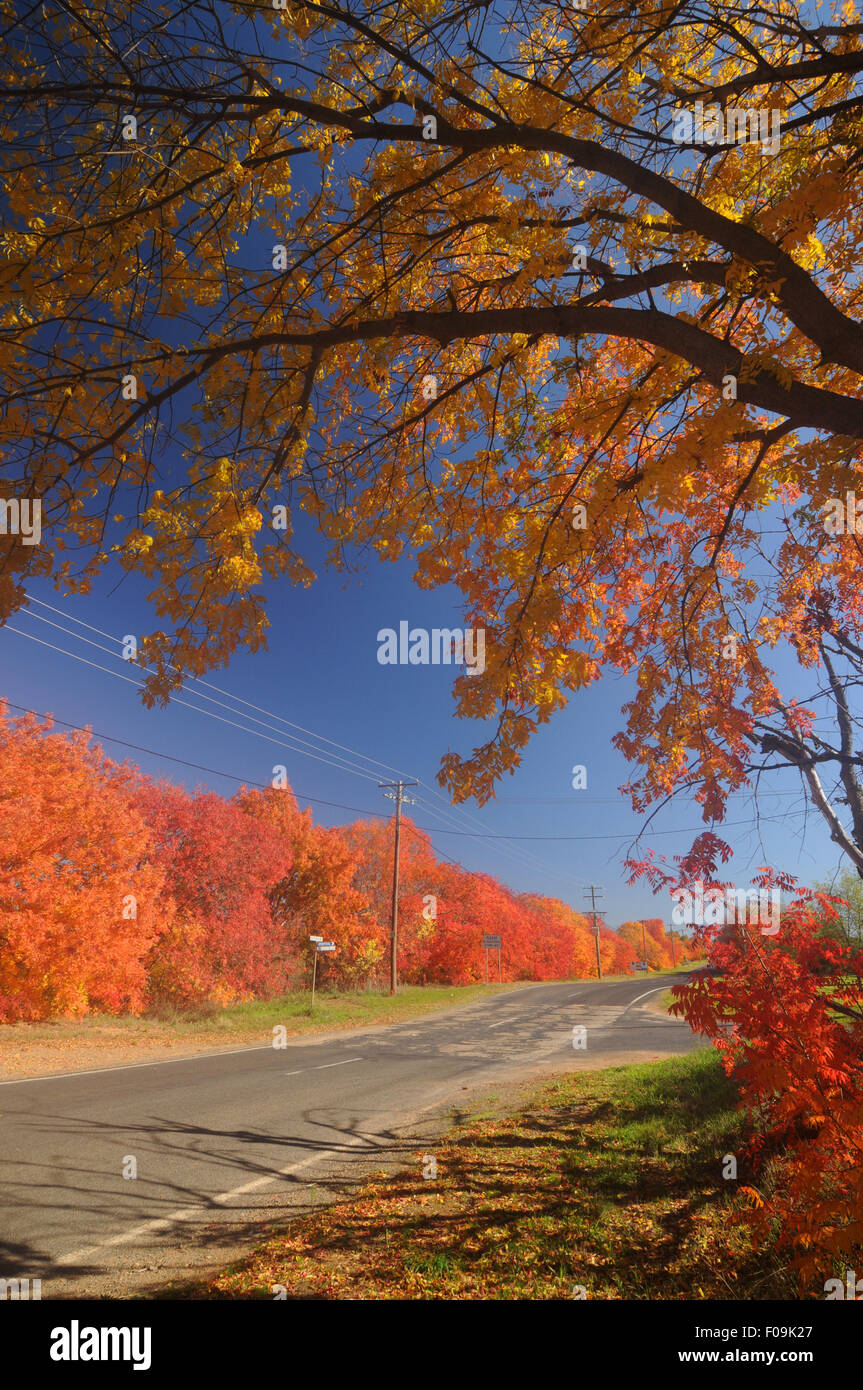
319,945
492,943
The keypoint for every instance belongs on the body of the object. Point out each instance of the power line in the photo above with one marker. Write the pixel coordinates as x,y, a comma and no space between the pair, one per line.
439,854
428,829
199,680
283,737
623,835
608,800
184,762
524,857
281,742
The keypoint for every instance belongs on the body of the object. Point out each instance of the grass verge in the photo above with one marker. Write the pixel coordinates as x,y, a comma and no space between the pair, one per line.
607,1181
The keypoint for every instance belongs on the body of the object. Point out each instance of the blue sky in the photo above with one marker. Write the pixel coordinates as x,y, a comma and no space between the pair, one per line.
321,673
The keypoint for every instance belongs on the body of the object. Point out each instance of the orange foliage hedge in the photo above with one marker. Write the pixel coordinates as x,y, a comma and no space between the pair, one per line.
118,893
82,889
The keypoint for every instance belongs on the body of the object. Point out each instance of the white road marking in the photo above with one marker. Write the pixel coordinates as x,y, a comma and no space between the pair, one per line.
658,990
186,1213
324,1065
580,998
132,1066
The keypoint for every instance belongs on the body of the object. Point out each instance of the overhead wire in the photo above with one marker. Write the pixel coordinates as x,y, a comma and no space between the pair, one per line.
185,762
284,737
176,699
448,813
199,680
525,857
169,757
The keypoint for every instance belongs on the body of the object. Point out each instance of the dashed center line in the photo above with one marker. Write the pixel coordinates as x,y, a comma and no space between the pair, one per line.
323,1066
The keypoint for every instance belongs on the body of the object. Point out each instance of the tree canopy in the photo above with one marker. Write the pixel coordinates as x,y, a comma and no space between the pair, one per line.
458,281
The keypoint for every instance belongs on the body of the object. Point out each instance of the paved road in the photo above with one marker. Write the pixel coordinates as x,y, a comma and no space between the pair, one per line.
225,1143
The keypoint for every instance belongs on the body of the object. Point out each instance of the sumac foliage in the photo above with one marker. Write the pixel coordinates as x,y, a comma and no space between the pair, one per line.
786,1014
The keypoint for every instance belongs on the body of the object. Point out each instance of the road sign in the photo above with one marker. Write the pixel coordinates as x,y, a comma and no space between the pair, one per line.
320,945
491,943
641,965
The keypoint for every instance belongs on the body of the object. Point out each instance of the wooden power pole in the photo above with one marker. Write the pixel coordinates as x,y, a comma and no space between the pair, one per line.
596,912
398,798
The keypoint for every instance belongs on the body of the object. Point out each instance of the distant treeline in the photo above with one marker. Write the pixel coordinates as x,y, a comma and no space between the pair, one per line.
119,894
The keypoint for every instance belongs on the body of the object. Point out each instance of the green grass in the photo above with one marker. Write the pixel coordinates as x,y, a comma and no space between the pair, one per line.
38,1049
608,1180
337,1010
666,999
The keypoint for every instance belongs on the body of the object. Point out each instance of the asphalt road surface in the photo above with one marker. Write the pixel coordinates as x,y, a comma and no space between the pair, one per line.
224,1144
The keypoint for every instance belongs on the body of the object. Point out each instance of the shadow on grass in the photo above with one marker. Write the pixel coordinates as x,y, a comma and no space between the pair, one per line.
611,1180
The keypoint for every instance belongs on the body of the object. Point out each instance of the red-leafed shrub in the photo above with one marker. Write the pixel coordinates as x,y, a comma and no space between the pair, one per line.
82,898
219,865
786,1014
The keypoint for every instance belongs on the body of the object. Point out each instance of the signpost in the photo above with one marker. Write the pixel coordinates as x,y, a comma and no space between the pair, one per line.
492,943
320,945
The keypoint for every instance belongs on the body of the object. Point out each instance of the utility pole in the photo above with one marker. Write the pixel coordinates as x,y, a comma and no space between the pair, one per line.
593,890
398,798
643,945
673,961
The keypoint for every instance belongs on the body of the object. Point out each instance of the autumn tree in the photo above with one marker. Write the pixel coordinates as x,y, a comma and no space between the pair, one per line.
82,900
316,896
562,301
630,932
468,282
220,866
